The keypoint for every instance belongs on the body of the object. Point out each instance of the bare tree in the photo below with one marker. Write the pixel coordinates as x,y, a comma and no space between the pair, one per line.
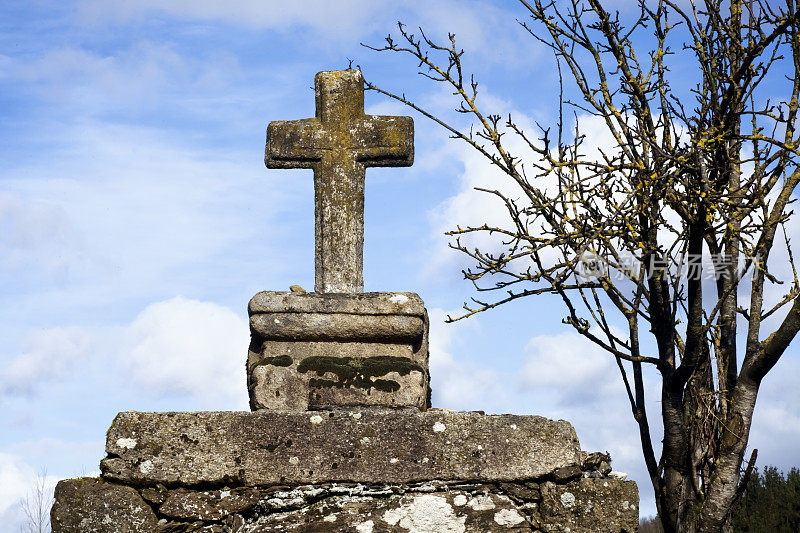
36,506
705,172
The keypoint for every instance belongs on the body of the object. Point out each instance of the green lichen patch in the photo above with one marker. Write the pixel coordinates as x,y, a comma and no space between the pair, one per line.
358,372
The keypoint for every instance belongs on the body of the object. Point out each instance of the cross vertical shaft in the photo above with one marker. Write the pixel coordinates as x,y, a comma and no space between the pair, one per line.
338,144
339,226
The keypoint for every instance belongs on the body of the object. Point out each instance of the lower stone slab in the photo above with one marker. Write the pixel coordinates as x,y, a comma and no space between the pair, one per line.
580,505
588,504
91,504
370,445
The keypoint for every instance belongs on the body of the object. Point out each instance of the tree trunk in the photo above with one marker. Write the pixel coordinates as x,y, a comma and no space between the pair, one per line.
714,515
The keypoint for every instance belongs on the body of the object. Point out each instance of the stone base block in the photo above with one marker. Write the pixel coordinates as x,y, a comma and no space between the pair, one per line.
581,505
321,351
369,446
321,375
91,504
590,504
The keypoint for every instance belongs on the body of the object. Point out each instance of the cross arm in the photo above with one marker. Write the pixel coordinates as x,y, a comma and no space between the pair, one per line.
385,141
293,143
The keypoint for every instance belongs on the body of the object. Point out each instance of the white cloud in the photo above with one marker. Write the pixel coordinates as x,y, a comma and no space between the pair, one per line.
485,30
776,425
116,209
184,346
49,354
38,229
569,365
129,80
29,226
457,382
468,208
178,347
15,479
19,485
473,208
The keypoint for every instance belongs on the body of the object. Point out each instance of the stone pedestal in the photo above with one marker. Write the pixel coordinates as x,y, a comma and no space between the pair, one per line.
317,351
343,439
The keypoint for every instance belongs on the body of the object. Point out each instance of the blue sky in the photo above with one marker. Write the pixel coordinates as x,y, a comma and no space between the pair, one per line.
138,219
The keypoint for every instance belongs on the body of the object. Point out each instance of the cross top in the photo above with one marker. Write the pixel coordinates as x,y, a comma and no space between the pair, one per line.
338,144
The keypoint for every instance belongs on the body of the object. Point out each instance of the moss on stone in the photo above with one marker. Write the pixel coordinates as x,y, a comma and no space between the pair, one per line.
278,360
359,372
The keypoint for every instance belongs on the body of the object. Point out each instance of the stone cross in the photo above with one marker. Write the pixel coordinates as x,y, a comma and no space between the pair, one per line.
339,143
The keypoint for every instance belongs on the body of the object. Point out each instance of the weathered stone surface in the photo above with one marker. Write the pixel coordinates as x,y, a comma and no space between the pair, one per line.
337,327
333,350
372,445
596,464
319,375
601,505
209,504
430,507
382,317
91,504
339,143
453,511
522,492
196,527
278,353
278,388
366,303
155,495
565,474
378,381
